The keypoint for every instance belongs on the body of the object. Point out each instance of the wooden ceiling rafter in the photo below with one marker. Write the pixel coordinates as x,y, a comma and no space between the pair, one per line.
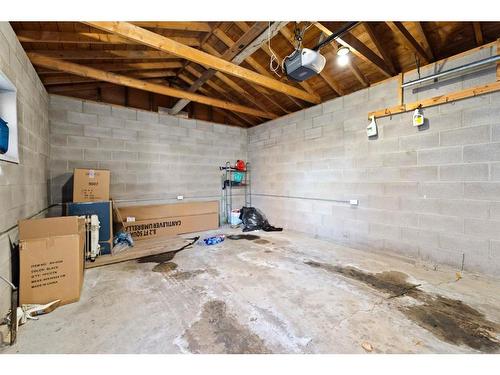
215,87
409,40
165,44
237,48
215,93
64,80
359,49
123,67
111,54
245,94
119,79
478,33
425,40
384,53
256,65
31,36
176,25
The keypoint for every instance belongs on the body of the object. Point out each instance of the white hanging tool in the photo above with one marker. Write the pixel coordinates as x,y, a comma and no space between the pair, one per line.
371,129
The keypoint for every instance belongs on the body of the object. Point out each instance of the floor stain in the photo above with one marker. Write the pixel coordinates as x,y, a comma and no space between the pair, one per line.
186,275
261,241
218,332
165,267
249,237
448,319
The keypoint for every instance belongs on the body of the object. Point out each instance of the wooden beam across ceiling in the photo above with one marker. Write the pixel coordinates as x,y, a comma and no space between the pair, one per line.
253,63
123,67
380,47
408,39
111,54
230,81
425,40
122,80
239,47
359,49
32,36
165,44
478,33
204,91
185,26
63,80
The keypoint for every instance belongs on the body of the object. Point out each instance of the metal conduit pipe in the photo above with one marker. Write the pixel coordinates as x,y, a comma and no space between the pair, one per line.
458,69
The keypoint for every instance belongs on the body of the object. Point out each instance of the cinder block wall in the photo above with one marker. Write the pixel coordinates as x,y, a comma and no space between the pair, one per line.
431,193
152,157
23,186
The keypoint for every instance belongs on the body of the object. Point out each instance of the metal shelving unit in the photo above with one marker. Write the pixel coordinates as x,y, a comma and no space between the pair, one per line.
227,190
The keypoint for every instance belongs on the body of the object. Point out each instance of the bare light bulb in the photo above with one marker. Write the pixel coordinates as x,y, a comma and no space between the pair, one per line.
343,60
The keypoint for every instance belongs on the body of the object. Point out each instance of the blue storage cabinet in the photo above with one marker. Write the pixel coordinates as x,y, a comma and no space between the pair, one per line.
104,211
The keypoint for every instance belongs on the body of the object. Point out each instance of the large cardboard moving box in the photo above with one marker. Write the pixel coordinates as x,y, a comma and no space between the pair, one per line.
144,222
51,259
91,185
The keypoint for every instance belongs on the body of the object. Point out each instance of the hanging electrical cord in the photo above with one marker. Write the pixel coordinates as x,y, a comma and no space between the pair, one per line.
274,63
417,63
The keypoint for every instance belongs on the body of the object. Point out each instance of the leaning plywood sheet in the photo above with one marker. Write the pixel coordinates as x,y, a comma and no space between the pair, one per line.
142,249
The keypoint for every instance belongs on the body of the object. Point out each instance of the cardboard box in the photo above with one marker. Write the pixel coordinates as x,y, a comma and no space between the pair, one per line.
51,260
104,211
91,185
144,222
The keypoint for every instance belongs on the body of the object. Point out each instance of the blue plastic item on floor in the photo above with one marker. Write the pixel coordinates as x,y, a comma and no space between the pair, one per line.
214,240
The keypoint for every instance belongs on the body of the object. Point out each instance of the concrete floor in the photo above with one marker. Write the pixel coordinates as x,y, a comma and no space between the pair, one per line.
282,293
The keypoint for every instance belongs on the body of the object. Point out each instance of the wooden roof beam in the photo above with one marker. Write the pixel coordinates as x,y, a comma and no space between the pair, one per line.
380,47
358,74
478,33
175,25
167,45
63,80
223,37
204,91
32,36
245,94
118,79
359,49
425,39
408,39
237,48
111,54
123,67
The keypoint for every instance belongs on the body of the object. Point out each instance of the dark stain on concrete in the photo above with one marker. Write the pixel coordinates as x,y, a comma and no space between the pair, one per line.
186,275
218,332
391,282
165,267
248,237
448,319
261,241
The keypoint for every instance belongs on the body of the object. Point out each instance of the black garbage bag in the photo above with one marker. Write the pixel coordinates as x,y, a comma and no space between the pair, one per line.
254,219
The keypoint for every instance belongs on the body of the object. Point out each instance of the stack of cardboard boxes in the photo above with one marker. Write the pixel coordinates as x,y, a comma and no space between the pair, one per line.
91,197
52,250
